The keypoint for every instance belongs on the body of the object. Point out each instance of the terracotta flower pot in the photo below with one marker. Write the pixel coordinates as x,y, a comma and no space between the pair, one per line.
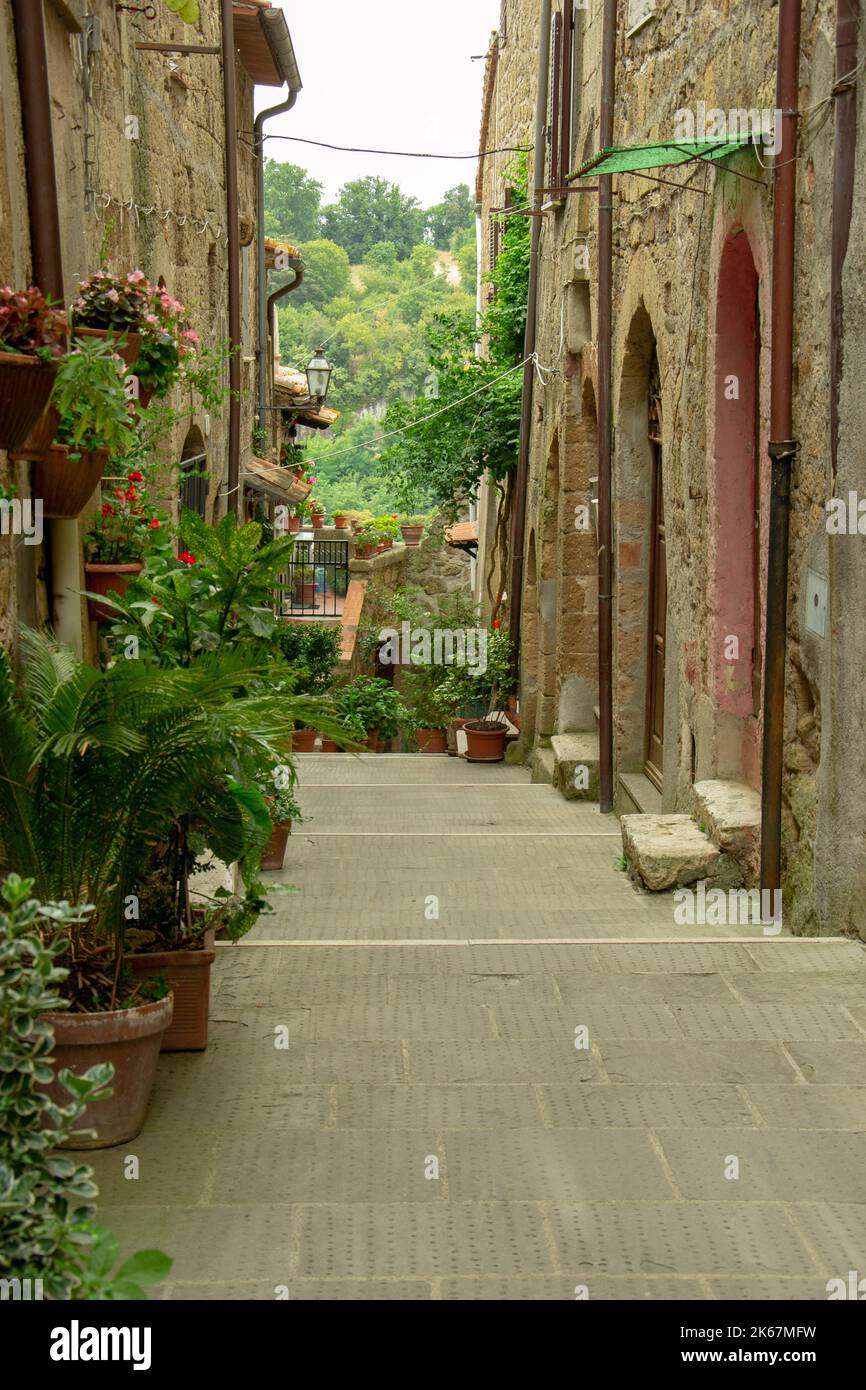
329,746
294,523
316,517
25,388
188,975
412,534
485,740
373,741
365,552
305,595
451,736
66,485
304,741
275,850
128,350
341,523
129,1039
99,579
431,741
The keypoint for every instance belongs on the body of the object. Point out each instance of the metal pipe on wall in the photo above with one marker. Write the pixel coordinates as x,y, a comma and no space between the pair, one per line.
261,269
45,241
782,449
605,418
844,146
518,522
234,253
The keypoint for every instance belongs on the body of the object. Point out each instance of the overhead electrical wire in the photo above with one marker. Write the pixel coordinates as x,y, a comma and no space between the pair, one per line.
399,154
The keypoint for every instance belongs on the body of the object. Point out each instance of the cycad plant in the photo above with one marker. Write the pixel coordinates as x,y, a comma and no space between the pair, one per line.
113,780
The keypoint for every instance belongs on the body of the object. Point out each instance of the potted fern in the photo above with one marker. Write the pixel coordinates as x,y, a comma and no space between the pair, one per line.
32,341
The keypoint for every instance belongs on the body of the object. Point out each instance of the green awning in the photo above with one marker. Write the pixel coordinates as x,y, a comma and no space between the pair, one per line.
624,159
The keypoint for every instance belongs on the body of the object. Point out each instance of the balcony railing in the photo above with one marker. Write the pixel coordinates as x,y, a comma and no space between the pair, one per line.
316,581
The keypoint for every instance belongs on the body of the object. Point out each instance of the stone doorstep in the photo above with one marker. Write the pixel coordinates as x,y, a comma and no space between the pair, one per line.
731,812
543,765
667,851
573,751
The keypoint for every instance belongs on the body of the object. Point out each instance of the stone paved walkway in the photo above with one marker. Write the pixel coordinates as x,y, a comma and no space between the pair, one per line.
415,1039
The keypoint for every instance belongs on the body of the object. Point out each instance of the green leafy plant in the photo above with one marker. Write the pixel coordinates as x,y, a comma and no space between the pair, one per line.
47,1229
312,652
187,10
89,397
31,325
370,703
304,574
126,528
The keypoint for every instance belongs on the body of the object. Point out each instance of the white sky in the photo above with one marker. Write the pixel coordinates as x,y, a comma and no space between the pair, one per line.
385,74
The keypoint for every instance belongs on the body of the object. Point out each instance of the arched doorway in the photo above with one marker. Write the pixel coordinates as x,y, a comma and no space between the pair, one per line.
734,597
193,473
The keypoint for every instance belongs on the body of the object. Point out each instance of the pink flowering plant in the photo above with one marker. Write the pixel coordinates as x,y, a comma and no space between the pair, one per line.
131,304
30,325
127,528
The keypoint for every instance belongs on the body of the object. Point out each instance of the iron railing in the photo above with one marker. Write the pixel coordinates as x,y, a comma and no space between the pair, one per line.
316,581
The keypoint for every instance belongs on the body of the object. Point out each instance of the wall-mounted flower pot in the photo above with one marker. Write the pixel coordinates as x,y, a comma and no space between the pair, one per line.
275,850
304,741
451,736
188,975
431,741
99,579
305,595
129,1039
25,388
485,740
129,349
67,485
412,534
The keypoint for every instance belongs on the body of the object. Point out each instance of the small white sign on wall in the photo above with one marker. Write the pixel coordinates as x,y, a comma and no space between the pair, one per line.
816,603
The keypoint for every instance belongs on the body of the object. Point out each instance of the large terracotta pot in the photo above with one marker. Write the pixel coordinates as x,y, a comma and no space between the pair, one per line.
66,485
99,579
431,741
304,741
305,595
128,350
25,388
188,974
485,740
275,849
130,1040
412,534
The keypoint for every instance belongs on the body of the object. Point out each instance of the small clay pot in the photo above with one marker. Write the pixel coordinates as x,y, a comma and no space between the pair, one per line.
99,579
305,595
431,741
275,850
304,741
485,739
412,534
294,523
341,523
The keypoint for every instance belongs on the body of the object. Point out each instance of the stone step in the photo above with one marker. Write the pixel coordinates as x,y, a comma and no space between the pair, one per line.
667,851
730,812
575,772
543,765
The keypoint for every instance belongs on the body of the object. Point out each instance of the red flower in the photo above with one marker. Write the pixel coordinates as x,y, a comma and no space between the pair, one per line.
107,509
496,623
135,477
187,559
155,524
131,495
118,492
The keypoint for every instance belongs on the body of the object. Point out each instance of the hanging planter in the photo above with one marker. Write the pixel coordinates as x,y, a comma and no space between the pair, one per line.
66,485
485,740
99,579
128,1038
126,345
187,974
25,389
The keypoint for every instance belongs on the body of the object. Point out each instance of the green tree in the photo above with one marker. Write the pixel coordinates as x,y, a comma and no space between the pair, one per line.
467,263
327,273
293,203
453,214
371,210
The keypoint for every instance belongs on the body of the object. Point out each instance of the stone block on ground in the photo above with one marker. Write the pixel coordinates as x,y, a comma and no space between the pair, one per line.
731,815
543,765
576,765
667,851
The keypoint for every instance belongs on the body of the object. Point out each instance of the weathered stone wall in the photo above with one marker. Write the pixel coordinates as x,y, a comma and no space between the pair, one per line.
436,567
670,272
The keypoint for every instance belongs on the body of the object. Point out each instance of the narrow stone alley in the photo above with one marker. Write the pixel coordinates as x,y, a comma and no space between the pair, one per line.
436,1128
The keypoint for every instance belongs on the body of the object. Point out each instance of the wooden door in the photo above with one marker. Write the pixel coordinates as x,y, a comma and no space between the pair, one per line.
658,594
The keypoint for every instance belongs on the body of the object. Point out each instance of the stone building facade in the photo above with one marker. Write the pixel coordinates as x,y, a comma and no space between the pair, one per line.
139,154
690,413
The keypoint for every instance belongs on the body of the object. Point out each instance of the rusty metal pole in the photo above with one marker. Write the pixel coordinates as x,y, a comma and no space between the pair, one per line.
234,253
518,520
46,254
844,146
605,418
782,450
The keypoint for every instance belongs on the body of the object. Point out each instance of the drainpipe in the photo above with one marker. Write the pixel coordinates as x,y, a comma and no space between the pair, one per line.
272,300
782,449
518,524
234,249
45,243
844,145
605,418
281,45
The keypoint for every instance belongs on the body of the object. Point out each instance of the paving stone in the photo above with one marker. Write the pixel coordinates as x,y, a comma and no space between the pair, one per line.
815,987
333,1166
769,1288
677,1238
502,1059
375,1022
688,1061
603,1020
423,1239
240,1242
644,1107
559,1288
623,989
793,1164
667,851
829,1064
553,1165
306,1290
436,1108
172,1173
811,1022
836,1232
455,989
811,1107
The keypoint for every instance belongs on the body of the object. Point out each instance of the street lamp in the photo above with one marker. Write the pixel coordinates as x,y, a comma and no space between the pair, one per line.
319,371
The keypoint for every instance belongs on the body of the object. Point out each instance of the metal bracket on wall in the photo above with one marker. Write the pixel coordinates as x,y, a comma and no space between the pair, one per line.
178,48
146,11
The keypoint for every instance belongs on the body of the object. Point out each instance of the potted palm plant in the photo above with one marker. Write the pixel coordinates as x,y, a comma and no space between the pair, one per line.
32,340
